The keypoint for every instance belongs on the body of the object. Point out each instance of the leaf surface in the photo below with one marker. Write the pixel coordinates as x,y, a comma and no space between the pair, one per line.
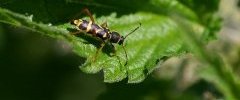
158,38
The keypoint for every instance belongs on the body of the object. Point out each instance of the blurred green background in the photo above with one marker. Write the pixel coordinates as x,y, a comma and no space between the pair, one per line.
35,67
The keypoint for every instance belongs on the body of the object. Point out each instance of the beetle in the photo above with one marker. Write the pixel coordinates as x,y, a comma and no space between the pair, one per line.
101,31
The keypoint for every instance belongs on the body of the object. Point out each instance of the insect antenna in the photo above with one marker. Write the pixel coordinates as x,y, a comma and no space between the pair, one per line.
133,31
124,46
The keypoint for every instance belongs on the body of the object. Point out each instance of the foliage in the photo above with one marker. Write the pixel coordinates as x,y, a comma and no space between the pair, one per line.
143,53
169,28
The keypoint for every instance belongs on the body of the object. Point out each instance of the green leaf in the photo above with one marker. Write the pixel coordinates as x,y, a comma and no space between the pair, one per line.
158,38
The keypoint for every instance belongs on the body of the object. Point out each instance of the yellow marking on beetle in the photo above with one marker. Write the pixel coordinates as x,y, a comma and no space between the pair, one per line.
105,35
110,36
78,22
89,26
98,30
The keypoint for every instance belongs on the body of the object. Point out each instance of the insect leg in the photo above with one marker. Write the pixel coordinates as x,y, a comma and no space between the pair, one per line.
104,24
87,12
114,50
77,32
114,53
99,49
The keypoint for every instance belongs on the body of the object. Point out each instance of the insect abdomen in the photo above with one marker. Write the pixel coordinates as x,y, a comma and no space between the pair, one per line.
93,29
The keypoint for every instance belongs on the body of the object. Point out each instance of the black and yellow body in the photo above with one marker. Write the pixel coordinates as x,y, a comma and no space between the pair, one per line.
98,31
